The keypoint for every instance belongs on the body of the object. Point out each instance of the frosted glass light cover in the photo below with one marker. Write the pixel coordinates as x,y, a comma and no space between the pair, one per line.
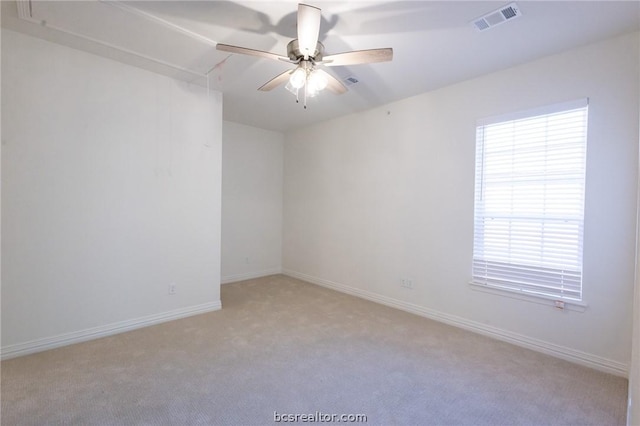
298,78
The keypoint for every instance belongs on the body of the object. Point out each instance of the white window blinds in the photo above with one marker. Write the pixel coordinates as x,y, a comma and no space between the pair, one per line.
529,201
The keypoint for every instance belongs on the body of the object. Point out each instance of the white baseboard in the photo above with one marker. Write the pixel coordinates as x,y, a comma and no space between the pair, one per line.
39,345
249,275
568,354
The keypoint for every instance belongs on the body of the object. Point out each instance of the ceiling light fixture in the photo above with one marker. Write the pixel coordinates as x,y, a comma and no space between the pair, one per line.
308,78
298,78
317,81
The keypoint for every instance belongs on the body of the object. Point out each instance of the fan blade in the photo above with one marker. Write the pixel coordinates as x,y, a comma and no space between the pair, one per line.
308,29
333,84
358,57
251,52
276,81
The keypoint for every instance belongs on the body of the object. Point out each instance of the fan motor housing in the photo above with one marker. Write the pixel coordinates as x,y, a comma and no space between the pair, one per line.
294,53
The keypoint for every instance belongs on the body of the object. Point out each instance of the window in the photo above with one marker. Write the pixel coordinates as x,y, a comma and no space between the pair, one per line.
529,201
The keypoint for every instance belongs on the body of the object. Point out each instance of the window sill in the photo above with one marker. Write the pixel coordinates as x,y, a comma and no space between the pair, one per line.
569,305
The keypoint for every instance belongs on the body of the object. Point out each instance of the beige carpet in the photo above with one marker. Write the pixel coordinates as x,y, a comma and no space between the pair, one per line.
282,345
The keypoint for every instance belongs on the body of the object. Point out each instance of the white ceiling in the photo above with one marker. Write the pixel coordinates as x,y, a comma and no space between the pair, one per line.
433,41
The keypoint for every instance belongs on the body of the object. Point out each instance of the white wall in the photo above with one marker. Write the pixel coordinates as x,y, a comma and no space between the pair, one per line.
377,196
111,189
633,415
251,202
0,186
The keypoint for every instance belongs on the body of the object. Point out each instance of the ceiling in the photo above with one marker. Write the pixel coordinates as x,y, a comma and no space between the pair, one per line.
434,44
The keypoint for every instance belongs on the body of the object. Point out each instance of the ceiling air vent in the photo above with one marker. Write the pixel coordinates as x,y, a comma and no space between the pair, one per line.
497,17
350,80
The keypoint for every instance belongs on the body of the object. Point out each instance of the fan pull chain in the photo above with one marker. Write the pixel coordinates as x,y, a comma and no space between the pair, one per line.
305,95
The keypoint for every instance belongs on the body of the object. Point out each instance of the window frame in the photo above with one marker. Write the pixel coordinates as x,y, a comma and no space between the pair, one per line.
512,290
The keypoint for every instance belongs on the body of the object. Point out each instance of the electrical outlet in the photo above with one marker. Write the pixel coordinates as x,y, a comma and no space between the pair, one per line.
406,283
172,288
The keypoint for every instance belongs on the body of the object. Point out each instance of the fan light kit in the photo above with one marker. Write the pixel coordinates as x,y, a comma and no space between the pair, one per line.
309,78
307,53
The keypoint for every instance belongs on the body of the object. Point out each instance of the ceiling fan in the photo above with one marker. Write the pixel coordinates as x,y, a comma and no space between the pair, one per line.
307,53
